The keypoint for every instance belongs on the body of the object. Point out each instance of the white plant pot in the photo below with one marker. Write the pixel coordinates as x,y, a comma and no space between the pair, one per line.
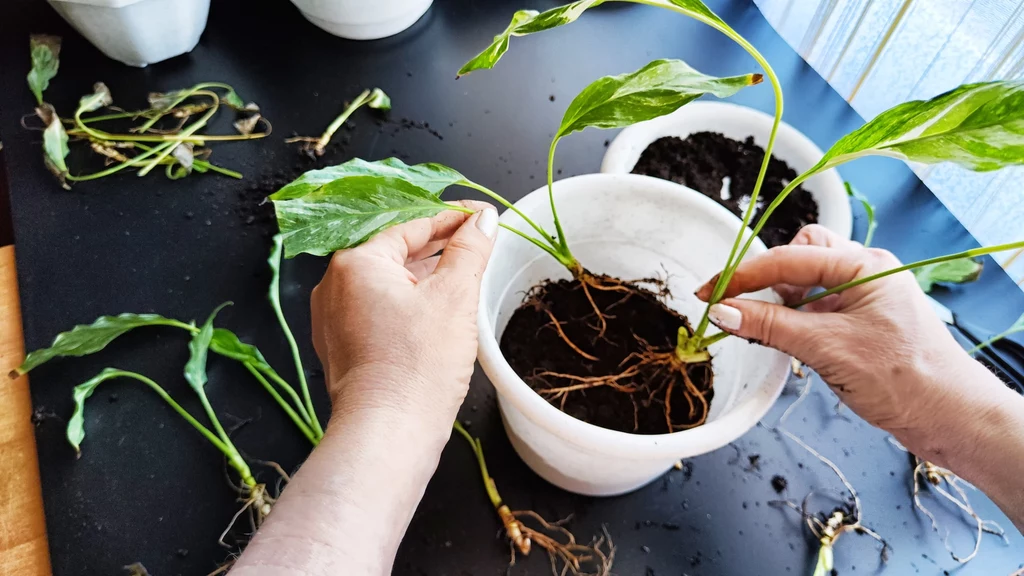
137,32
739,122
363,19
631,227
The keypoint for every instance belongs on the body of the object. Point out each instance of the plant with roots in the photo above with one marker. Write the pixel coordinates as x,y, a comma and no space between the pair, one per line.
826,527
564,552
88,339
975,126
950,487
374,99
164,134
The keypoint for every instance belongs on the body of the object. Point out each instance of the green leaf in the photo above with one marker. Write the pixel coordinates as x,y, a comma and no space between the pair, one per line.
55,149
869,210
45,51
430,176
199,347
379,100
962,271
99,98
348,211
657,89
977,126
226,343
526,22
233,100
86,339
698,10
76,425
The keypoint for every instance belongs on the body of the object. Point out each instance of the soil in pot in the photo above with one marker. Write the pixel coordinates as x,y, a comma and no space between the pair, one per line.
705,160
620,373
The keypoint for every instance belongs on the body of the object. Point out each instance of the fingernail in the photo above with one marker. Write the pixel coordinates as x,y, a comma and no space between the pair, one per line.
487,222
726,317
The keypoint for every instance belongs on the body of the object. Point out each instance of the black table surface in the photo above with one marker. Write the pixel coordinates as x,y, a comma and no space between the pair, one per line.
149,489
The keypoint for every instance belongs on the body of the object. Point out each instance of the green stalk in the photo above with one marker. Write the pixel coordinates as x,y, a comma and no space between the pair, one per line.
495,196
306,417
223,444
284,405
203,164
186,133
563,246
325,138
972,253
184,95
565,261
478,450
118,167
995,339
275,302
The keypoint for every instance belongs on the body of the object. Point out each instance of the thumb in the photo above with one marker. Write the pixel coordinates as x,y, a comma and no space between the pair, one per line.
773,325
465,256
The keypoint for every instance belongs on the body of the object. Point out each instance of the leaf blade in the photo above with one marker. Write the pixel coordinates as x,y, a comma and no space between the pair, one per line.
977,126
869,211
961,271
86,339
656,89
430,176
45,54
55,149
199,347
99,98
348,211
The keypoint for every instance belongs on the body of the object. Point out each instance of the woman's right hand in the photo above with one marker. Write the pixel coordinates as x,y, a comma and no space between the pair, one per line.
879,345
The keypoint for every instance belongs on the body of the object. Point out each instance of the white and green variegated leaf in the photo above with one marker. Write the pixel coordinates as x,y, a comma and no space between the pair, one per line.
350,210
199,348
659,88
699,10
99,98
977,126
526,22
962,271
430,176
45,51
88,339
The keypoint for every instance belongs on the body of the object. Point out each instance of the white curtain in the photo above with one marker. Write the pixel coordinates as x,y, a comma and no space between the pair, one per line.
879,53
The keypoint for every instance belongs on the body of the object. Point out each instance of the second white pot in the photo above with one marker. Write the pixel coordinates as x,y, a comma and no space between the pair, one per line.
628,226
363,19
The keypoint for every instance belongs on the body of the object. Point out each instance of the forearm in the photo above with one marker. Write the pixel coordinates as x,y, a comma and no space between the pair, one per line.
346,510
979,435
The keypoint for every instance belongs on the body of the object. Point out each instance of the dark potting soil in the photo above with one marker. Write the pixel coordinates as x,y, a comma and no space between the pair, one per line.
637,323
704,159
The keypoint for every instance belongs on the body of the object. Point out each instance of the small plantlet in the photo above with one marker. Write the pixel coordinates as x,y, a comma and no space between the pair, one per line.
315,147
176,144
565,554
1016,327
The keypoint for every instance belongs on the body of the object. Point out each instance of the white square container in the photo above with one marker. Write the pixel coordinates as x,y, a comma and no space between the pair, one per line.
137,32
363,19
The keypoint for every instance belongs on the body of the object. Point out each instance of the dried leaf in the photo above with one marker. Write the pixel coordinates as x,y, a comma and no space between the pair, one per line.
45,61
55,149
962,271
99,98
183,154
247,125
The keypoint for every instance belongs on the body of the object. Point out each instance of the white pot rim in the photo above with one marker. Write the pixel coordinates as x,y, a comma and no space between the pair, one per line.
515,391
826,188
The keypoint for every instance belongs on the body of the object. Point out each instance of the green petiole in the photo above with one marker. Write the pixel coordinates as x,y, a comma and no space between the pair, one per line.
296,418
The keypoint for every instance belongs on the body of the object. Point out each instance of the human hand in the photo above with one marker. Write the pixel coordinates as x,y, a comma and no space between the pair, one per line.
394,325
879,345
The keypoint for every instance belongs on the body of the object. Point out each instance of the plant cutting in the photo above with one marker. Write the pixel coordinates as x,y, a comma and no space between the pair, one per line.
315,147
165,134
594,559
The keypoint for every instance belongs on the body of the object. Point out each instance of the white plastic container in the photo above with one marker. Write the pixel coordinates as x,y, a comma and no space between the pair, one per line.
137,32
363,19
739,122
628,226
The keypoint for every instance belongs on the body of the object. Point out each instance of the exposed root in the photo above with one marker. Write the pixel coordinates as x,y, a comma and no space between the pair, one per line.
936,477
256,500
565,554
561,334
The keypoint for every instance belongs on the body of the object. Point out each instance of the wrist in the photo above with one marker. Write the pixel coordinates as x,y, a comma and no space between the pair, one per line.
393,394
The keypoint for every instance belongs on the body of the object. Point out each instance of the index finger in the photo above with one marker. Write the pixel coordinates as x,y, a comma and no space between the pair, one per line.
797,266
420,238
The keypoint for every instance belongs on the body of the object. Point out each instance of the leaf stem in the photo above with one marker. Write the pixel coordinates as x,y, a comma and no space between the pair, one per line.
306,431
325,139
996,338
290,391
562,259
498,198
118,167
972,253
186,133
478,450
563,246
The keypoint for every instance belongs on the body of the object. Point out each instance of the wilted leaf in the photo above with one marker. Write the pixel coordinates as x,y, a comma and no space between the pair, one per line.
199,347
430,176
45,51
657,89
183,154
247,125
99,98
87,339
379,100
349,211
978,126
962,271
869,211
76,424
55,148
233,100
163,100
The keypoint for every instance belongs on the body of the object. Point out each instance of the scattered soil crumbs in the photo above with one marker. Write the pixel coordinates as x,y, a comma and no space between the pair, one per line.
629,384
726,171
779,484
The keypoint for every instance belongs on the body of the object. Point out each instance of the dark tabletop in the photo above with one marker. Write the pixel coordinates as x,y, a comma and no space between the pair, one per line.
149,489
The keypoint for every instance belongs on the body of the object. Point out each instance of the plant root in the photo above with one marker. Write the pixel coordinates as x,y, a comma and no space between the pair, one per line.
257,502
934,477
565,554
